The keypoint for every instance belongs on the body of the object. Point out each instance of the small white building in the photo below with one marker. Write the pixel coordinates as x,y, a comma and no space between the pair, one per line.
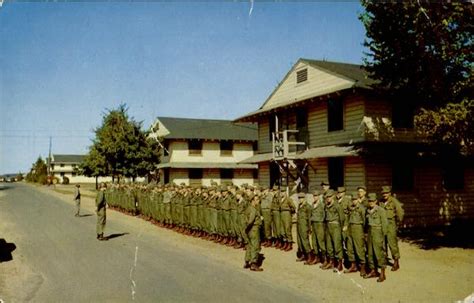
68,166
200,151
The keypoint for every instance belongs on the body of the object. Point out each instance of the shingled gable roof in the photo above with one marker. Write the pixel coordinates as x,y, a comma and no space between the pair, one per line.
348,71
184,128
67,158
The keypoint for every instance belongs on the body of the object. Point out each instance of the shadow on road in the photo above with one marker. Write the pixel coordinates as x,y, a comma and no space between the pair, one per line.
6,250
3,187
85,215
457,234
112,236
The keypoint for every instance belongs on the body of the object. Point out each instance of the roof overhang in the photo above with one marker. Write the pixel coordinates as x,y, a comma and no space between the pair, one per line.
328,152
258,158
229,165
296,102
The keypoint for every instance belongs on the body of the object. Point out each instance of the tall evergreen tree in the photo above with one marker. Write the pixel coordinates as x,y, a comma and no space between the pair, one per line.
421,53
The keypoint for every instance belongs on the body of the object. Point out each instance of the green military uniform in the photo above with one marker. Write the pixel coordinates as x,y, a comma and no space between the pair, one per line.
355,226
253,221
288,208
100,203
266,207
318,215
225,210
378,225
302,227
77,200
334,222
241,208
233,216
276,219
394,212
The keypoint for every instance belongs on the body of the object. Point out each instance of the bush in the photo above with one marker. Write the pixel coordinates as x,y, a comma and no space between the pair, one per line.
65,180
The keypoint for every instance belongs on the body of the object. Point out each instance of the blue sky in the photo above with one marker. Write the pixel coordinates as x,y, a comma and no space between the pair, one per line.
63,64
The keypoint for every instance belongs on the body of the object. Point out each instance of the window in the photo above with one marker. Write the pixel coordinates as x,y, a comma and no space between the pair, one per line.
62,174
453,176
73,174
402,176
255,146
195,173
335,115
301,75
195,147
226,147
402,115
227,174
52,166
255,174
62,165
336,172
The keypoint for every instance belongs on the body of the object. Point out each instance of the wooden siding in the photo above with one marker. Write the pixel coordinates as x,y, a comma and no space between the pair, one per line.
318,123
264,174
428,203
354,172
319,82
264,143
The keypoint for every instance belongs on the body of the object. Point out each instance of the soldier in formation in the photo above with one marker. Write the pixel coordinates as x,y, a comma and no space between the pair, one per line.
330,225
357,228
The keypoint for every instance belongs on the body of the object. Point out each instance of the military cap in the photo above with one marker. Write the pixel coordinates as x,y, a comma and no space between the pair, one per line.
316,192
341,189
244,185
329,193
301,195
250,196
239,192
372,197
386,189
283,189
324,183
275,187
362,187
354,195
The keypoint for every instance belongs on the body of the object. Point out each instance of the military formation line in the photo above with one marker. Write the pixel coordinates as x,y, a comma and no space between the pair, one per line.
332,228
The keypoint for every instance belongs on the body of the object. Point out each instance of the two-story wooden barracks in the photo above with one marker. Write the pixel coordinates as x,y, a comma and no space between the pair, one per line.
202,151
354,137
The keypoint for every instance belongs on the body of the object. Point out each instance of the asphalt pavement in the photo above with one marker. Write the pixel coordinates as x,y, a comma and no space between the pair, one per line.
56,258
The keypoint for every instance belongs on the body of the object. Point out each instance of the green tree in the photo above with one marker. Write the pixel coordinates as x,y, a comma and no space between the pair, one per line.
38,172
121,148
421,53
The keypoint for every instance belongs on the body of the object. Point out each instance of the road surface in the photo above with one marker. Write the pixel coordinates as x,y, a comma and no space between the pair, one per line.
56,258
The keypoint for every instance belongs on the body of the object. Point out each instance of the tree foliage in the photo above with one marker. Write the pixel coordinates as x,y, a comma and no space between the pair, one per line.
38,172
421,53
452,123
121,148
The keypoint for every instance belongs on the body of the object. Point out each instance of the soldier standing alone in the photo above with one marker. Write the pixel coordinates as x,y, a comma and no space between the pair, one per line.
77,199
253,221
100,204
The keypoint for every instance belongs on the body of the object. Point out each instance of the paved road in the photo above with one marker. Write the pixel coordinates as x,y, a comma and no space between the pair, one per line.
66,263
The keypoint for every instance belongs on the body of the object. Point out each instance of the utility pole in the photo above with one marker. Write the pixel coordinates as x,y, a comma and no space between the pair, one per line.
49,155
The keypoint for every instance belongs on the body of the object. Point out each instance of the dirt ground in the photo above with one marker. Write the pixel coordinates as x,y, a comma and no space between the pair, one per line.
441,274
